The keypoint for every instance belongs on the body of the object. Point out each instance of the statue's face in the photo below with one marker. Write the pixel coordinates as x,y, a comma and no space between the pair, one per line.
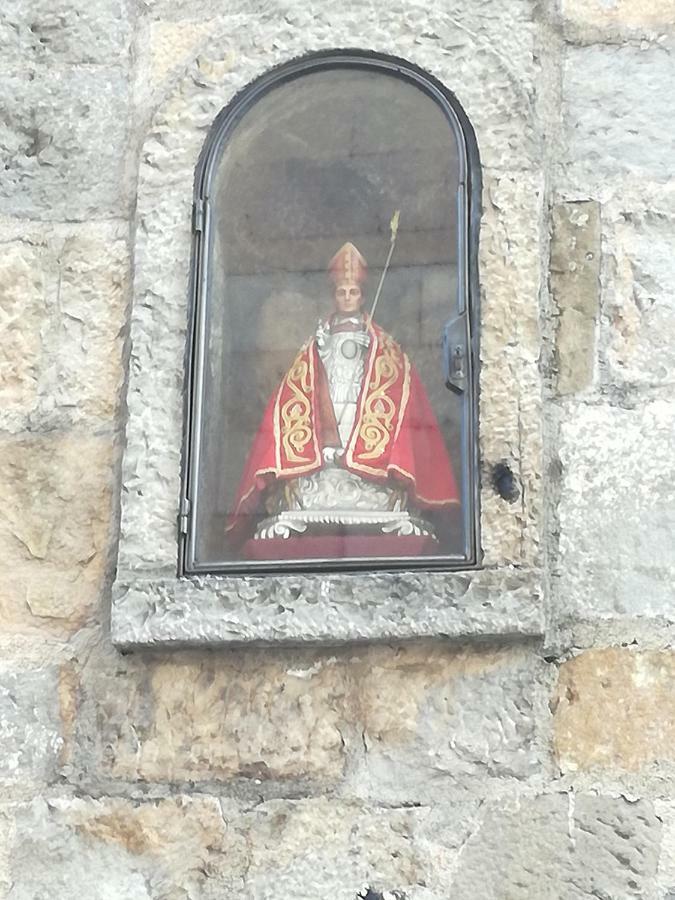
348,297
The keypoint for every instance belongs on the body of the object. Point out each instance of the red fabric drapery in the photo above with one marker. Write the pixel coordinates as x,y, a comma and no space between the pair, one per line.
395,438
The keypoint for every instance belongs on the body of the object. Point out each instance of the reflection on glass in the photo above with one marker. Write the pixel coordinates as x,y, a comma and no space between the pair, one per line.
327,429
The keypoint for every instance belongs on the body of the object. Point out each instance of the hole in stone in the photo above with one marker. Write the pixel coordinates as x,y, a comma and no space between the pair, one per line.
505,482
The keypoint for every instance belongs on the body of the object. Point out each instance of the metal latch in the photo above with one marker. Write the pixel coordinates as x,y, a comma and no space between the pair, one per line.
454,354
184,516
198,214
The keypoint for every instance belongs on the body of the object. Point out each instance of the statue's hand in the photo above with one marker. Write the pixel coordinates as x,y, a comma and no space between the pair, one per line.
362,338
320,334
332,455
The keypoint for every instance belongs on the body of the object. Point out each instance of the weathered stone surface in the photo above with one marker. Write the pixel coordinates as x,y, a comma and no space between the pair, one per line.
617,511
437,720
183,10
510,33
615,710
575,286
30,727
616,16
63,294
216,718
24,309
617,121
64,142
63,32
198,847
665,810
401,722
510,414
54,533
560,845
549,847
639,321
6,840
326,849
321,608
93,271
113,849
173,43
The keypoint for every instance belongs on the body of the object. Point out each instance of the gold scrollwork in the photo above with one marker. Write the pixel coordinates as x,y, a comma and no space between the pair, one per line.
296,427
379,409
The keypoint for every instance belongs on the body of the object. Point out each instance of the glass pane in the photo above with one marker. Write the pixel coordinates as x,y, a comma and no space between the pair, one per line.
325,435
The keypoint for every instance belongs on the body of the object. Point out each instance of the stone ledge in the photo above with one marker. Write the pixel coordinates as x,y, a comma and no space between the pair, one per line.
329,609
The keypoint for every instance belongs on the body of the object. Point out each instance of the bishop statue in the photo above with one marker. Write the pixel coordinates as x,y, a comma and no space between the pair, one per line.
349,443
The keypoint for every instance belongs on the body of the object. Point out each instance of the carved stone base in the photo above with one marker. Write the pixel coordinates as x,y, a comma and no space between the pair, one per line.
297,522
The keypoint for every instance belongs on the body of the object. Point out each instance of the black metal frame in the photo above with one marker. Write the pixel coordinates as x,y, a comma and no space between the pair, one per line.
468,312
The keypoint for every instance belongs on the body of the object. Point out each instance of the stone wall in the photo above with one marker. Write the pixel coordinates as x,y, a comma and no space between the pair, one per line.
426,770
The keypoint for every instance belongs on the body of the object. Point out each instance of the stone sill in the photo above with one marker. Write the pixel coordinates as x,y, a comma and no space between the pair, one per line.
218,611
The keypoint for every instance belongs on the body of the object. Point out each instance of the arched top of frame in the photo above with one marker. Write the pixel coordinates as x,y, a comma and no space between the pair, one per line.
228,119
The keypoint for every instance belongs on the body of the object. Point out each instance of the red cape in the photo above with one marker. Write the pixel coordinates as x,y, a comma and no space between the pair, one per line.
395,438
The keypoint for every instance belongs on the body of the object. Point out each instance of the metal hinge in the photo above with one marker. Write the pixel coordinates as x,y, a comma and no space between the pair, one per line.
198,214
184,516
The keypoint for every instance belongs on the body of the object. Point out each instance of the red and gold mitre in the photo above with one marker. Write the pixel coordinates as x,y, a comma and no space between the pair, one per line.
348,265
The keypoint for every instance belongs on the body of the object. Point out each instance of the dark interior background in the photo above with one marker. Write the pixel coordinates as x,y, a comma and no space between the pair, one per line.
320,160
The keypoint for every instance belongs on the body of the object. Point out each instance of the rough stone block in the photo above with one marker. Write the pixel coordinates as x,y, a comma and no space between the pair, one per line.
216,718
63,144
93,271
433,717
313,608
30,726
398,721
617,511
113,849
173,43
6,841
639,321
179,10
575,286
324,848
63,32
561,846
63,294
510,427
629,16
23,272
665,810
55,528
197,847
512,30
616,112
615,710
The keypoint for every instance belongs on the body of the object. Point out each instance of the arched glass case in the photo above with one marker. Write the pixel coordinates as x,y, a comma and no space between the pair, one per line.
331,418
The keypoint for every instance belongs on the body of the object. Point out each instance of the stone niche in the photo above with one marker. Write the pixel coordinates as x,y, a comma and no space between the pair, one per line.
505,597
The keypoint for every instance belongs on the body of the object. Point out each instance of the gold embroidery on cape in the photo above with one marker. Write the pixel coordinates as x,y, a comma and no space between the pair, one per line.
379,409
296,427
